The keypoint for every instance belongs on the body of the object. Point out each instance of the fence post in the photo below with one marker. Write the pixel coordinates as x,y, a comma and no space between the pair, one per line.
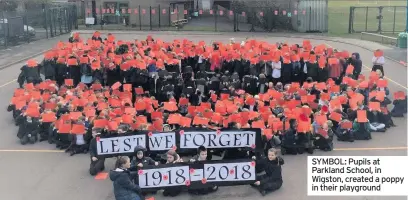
235,21
67,18
169,16
393,24
159,13
50,20
366,19
25,21
253,14
350,19
45,20
60,20
238,20
177,12
380,18
75,13
140,19
55,22
406,20
310,18
101,21
4,30
215,18
64,20
150,18
7,34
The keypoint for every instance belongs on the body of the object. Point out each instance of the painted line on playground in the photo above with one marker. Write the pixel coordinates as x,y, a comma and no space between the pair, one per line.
23,59
31,151
369,69
336,149
395,82
370,149
8,83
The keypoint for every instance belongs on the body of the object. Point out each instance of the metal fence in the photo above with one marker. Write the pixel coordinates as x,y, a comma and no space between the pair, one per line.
37,21
291,16
382,19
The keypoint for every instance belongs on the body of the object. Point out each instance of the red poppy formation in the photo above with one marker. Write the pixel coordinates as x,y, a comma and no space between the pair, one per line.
107,106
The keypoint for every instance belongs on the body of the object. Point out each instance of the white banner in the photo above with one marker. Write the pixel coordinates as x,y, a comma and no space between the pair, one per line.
184,174
162,141
181,139
164,177
229,172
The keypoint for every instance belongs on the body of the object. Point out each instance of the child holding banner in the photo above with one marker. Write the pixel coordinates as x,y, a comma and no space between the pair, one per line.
201,156
140,159
123,187
172,157
271,179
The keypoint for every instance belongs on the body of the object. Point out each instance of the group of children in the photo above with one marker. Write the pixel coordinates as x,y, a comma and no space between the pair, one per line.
301,96
268,179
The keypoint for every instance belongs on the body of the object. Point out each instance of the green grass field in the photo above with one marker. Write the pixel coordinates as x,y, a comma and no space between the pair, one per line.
339,16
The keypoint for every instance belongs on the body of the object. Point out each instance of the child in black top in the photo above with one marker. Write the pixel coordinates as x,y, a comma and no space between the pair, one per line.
201,156
271,179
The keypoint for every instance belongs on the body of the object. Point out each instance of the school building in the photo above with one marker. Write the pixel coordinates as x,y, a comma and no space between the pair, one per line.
144,12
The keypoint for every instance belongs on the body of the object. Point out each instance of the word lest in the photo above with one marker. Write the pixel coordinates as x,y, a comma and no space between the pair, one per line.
124,144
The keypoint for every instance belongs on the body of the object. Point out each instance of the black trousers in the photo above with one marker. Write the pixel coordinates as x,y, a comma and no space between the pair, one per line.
174,191
26,139
97,166
271,186
362,135
75,149
268,186
324,144
275,80
50,78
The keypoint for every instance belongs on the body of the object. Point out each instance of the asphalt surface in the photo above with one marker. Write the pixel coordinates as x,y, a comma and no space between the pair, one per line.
397,54
40,172
16,53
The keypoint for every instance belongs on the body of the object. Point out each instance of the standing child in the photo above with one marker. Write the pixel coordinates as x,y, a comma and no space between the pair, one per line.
378,61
